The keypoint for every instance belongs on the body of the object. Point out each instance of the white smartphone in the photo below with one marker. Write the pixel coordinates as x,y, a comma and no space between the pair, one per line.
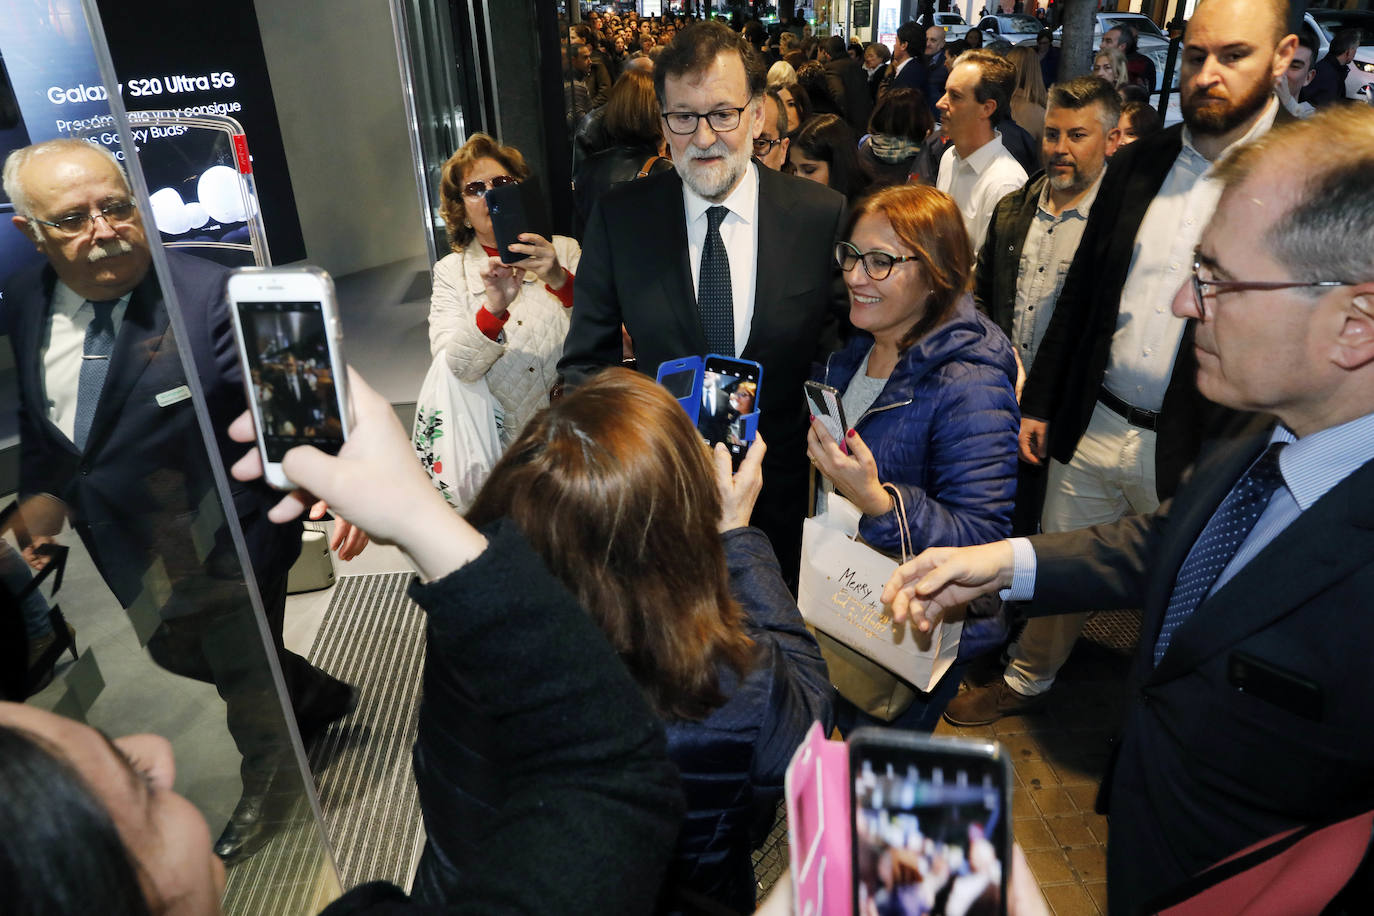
290,342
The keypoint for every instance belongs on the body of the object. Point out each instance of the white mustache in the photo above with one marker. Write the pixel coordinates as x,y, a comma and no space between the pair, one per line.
110,249
715,150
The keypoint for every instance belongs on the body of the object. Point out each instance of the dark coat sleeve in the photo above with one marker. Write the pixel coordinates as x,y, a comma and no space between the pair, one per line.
593,341
801,691
583,809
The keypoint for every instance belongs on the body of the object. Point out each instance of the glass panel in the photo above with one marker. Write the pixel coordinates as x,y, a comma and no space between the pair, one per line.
169,630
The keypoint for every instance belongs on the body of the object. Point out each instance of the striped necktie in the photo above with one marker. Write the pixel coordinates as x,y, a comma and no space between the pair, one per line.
95,365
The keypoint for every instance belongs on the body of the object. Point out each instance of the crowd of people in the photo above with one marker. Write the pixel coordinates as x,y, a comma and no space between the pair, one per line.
1086,360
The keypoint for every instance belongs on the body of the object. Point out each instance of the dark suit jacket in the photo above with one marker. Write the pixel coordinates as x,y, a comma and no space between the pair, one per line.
999,261
1064,383
635,269
1204,769
134,493
858,104
912,76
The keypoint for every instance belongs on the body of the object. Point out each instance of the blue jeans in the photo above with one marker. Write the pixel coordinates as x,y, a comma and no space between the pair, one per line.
15,576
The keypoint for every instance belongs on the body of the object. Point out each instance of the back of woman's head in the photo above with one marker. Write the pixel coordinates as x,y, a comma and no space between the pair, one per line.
929,224
632,114
60,852
1030,82
781,73
811,76
613,489
452,178
828,138
902,112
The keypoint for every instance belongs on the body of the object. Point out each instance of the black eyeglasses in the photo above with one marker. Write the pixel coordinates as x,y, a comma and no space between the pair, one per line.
1204,288
764,146
877,264
475,190
722,120
116,213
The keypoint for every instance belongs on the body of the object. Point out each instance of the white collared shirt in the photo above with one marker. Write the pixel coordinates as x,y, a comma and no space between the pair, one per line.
740,233
62,349
979,182
1148,333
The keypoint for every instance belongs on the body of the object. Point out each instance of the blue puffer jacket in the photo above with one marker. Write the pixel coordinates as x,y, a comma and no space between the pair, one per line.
943,431
733,762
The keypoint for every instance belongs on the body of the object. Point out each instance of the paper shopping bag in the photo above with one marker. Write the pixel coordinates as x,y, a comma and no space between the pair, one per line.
455,433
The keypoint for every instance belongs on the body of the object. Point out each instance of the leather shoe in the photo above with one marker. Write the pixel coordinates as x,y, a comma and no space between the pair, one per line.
246,831
331,701
984,705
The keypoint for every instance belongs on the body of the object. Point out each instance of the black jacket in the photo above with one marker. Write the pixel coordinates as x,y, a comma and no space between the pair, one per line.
1328,82
858,103
994,289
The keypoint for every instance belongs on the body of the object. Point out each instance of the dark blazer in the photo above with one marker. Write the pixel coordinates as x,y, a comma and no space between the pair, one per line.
1063,385
1328,82
913,76
999,262
1203,768
635,269
858,103
137,488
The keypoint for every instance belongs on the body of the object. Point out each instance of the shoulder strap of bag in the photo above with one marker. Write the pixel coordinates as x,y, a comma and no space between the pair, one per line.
904,532
648,164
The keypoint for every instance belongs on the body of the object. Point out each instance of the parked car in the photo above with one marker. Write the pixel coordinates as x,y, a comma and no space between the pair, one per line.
954,25
1017,28
1358,81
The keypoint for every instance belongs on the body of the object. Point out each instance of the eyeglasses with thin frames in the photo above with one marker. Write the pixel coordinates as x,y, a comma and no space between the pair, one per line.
722,120
475,190
763,146
116,213
877,264
1205,288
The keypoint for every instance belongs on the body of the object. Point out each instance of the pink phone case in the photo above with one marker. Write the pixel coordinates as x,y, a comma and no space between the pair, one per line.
818,826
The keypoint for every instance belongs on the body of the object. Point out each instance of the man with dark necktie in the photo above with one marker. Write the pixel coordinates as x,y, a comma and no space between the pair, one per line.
1251,707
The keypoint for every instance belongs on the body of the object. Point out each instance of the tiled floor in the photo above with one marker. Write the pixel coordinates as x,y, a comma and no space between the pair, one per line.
1058,755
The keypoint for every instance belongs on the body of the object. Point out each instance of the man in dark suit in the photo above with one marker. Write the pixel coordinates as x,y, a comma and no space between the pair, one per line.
108,427
1252,707
844,73
293,400
720,256
1111,396
908,60
1327,85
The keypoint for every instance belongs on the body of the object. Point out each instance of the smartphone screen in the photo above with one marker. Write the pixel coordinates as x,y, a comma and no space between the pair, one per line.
729,392
931,822
292,375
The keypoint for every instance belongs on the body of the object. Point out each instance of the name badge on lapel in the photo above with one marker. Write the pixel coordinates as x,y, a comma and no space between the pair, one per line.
173,396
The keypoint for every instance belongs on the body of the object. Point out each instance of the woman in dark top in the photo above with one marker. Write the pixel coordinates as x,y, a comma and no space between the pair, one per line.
897,129
616,493
572,808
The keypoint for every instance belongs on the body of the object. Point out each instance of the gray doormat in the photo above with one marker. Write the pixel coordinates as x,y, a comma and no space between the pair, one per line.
372,636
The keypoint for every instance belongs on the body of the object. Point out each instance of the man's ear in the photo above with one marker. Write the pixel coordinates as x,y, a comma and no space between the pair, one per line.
756,115
1283,56
1354,345
1113,141
23,226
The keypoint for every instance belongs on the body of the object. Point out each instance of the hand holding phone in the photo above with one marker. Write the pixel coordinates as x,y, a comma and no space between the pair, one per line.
824,403
286,325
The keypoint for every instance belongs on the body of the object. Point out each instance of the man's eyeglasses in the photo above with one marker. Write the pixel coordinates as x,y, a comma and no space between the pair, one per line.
877,264
722,120
1203,288
476,190
117,213
763,146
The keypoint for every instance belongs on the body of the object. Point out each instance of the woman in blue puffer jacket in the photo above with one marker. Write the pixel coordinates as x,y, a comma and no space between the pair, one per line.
927,388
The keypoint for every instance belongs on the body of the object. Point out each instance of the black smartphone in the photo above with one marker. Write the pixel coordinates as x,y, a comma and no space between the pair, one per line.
931,821
729,403
515,208
823,401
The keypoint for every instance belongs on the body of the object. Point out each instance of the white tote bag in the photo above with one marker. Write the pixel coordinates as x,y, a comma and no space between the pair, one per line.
455,433
873,662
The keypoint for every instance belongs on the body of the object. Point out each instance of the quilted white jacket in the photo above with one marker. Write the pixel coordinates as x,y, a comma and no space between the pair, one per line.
522,368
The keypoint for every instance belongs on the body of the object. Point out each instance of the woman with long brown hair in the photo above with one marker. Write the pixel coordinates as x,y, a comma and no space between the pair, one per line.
615,492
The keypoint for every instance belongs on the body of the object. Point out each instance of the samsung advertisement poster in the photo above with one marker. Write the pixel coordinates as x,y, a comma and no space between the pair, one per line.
174,58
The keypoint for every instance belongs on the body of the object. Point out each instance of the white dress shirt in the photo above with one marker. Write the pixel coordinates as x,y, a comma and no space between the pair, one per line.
1147,331
62,349
979,182
740,233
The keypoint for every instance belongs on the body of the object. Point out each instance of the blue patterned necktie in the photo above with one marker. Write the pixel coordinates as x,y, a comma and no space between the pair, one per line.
95,365
1219,541
714,302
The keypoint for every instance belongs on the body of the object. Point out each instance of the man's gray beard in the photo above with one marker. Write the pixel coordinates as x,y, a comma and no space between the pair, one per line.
1074,182
732,170
110,249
